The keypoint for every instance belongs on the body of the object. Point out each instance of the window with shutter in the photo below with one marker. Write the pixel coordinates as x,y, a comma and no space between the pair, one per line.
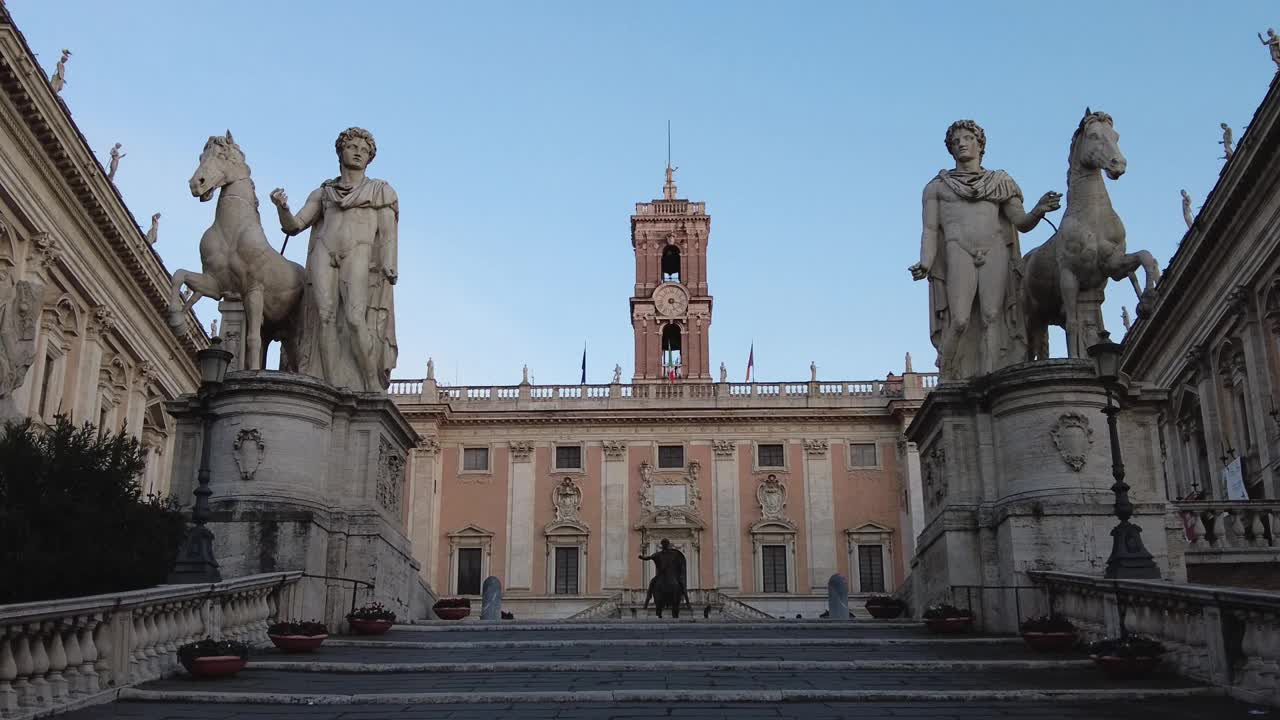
566,571
774,570
871,568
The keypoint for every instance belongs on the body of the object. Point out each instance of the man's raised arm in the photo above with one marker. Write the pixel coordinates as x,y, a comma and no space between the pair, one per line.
1026,221
293,224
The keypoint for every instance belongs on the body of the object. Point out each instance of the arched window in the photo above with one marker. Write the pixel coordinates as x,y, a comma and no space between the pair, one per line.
671,348
671,264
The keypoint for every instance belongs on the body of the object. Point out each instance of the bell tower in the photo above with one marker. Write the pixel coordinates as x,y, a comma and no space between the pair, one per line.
670,306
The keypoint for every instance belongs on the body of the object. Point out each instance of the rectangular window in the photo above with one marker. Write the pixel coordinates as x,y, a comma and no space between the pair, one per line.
862,455
566,571
469,571
475,459
568,457
871,568
774,572
671,456
770,456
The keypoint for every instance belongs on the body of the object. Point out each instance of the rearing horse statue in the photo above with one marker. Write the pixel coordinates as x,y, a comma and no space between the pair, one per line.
1066,277
236,259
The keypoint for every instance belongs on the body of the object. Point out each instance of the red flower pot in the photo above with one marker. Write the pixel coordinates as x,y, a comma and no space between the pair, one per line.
1049,641
949,625
452,613
213,666
369,627
886,611
297,643
1120,668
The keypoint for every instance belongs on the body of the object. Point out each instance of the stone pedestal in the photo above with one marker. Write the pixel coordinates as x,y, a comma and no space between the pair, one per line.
305,477
1016,476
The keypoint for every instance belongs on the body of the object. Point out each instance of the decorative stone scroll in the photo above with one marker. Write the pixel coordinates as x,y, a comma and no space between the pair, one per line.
390,476
772,496
614,449
521,450
724,448
104,319
249,449
566,498
428,445
816,448
1072,436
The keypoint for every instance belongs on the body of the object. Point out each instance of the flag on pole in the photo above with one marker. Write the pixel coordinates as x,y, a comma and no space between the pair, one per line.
583,381
751,361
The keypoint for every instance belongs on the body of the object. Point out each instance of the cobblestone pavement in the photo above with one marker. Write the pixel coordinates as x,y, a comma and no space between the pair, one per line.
375,678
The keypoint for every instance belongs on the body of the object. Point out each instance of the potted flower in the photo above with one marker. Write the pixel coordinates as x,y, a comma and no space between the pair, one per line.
1127,656
946,618
371,619
297,636
884,607
452,608
209,658
1048,632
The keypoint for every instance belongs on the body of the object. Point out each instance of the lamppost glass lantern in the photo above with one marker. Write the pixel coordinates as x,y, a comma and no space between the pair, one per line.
214,362
1106,358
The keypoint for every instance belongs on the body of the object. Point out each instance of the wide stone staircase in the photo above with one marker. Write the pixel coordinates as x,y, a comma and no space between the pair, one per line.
685,668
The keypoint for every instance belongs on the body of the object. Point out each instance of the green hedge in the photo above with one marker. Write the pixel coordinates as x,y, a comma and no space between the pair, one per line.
72,517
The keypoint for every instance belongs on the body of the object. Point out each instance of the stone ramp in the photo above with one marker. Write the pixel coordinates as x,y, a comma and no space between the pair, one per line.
685,669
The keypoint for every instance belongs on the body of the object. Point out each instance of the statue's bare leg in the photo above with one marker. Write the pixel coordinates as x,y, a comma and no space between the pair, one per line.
355,297
253,328
961,286
324,283
993,278
201,286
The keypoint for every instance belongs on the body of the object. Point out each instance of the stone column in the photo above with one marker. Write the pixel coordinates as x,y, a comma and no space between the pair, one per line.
614,530
422,527
102,322
728,515
915,499
520,507
819,512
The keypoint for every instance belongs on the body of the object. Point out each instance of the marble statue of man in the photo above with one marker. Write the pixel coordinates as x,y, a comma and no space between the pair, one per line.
1186,209
617,374
348,335
115,161
1226,141
1271,41
724,373
59,79
153,232
970,254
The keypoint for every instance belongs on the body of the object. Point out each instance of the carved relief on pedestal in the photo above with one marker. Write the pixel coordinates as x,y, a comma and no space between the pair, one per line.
614,449
1072,436
566,498
933,467
772,496
816,448
724,448
248,449
521,450
390,476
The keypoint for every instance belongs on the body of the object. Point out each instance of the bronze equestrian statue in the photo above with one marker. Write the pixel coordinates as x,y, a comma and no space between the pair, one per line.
667,587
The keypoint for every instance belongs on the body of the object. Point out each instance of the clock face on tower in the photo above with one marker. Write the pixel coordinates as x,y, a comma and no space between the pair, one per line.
670,300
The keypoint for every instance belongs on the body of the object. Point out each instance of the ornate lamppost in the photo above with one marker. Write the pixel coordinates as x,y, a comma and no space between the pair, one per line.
195,562
1129,557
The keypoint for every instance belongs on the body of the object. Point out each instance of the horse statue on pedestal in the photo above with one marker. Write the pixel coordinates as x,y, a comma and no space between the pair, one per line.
237,260
1065,279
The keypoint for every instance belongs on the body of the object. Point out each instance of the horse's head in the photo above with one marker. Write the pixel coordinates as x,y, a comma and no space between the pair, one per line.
1096,145
221,162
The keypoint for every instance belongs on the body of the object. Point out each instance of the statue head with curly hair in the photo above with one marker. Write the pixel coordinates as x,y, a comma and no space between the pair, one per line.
972,127
352,137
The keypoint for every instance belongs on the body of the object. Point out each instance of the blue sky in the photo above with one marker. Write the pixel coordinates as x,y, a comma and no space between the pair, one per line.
519,136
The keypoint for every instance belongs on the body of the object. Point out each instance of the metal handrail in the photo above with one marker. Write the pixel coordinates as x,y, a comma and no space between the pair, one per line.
355,584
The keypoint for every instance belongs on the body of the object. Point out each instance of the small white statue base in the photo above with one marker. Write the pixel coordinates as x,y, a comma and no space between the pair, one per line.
1016,476
305,477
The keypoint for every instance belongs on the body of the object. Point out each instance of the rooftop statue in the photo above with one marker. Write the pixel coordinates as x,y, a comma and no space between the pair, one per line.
1226,141
347,334
153,232
969,254
1088,247
59,79
1271,41
115,161
236,258
1186,209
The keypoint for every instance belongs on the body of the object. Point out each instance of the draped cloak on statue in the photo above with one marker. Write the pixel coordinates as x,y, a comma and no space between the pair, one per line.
991,186
380,314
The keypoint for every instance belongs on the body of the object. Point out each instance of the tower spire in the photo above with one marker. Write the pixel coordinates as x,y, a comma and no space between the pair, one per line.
669,189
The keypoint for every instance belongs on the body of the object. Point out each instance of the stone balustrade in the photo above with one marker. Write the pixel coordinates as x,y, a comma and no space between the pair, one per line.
692,394
56,655
1230,525
1226,636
